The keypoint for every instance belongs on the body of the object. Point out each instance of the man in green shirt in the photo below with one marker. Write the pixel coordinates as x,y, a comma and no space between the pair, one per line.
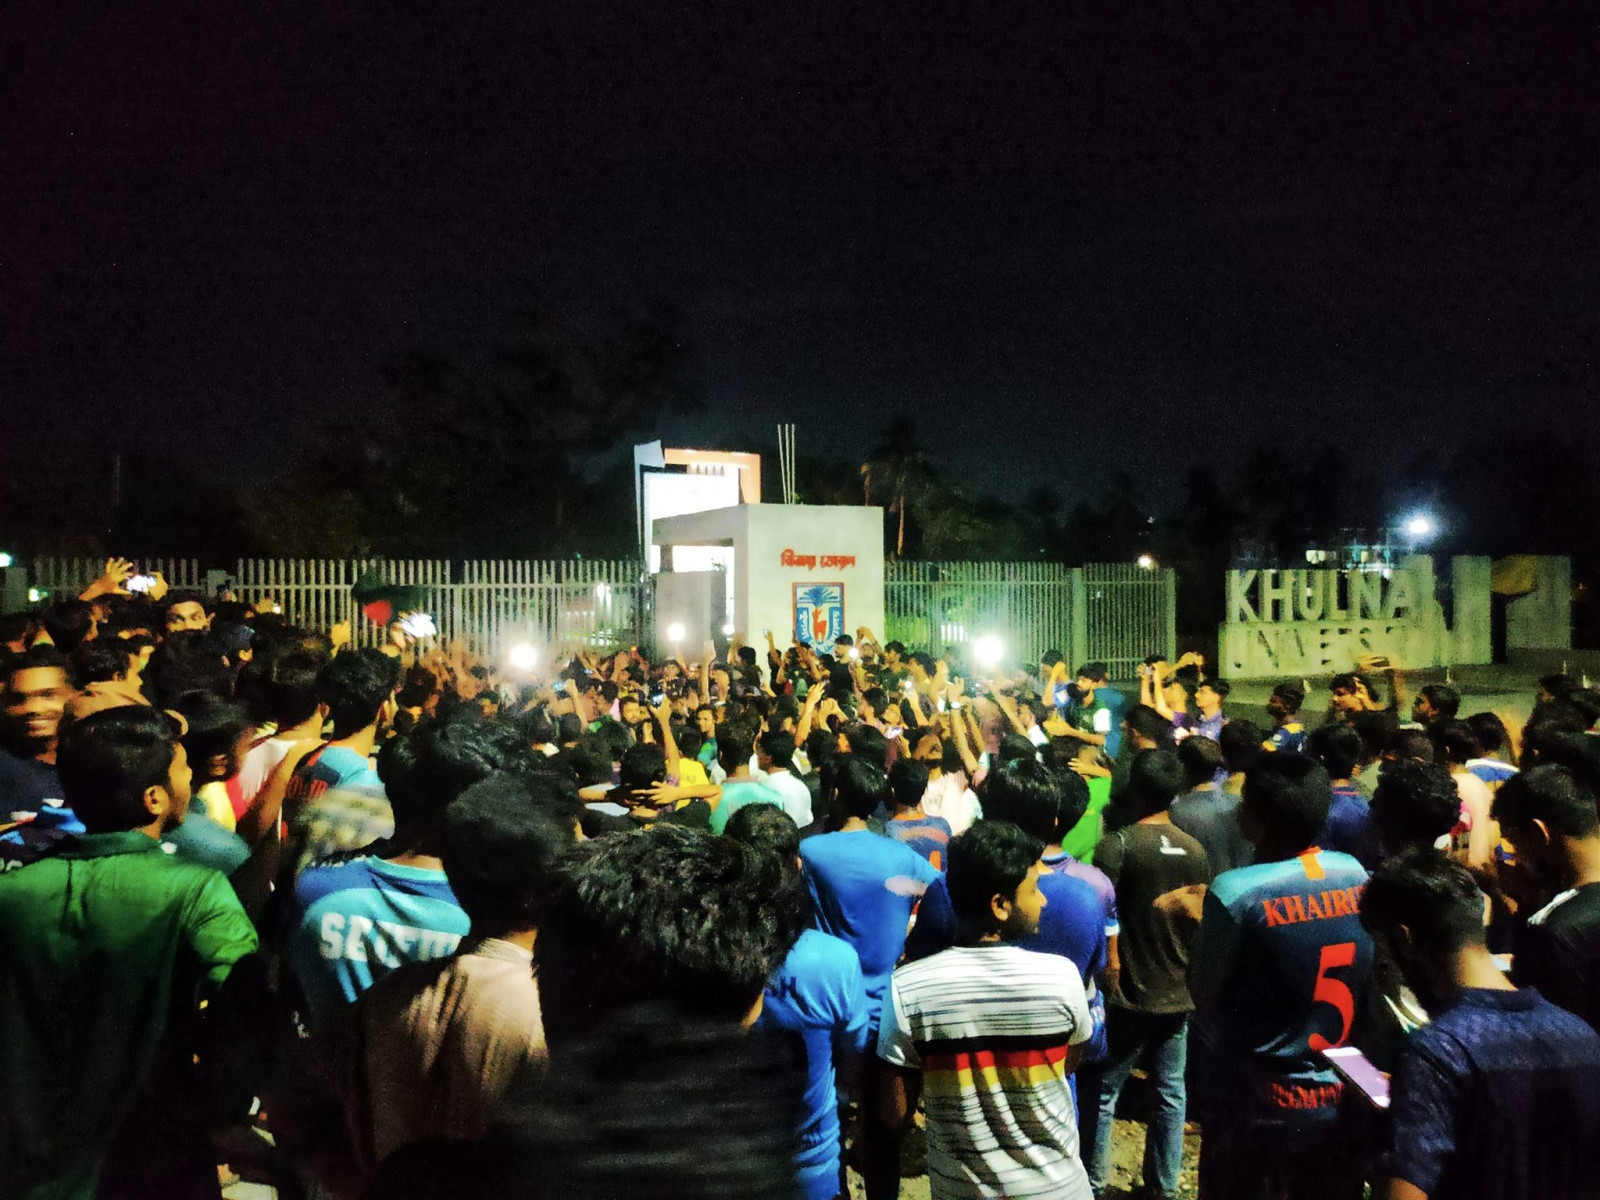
104,947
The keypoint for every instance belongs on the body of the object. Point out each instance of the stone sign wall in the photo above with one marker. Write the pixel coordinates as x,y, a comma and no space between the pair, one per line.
1316,621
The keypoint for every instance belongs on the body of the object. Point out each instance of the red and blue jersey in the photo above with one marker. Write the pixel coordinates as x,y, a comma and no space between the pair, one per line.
1277,971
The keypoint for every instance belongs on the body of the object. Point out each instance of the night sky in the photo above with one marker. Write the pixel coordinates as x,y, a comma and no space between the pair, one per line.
1065,237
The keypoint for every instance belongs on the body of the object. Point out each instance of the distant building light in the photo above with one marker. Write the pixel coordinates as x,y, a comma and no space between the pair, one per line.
5,560
1316,556
1146,562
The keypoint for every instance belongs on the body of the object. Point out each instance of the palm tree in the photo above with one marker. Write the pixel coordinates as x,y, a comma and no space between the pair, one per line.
902,469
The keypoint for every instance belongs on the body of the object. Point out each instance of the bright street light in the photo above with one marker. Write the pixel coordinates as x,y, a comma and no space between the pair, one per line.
727,630
5,560
675,633
988,650
1421,526
522,657
1146,562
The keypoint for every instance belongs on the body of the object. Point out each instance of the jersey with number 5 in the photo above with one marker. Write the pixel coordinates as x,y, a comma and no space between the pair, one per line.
1278,970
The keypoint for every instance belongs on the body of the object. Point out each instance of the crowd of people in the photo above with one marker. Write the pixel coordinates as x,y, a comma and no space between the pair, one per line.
713,928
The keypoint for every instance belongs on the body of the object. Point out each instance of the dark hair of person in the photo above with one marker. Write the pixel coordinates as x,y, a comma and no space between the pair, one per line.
1201,759
214,728
875,698
590,761
924,660
1557,685
1587,702
1446,701
1149,724
570,726
992,858
1290,795
288,688
1453,742
101,661
1413,744
861,785
908,780
627,1111
444,759
821,744
1414,803
1155,779
39,658
174,598
895,647
690,740
1551,794
1240,742
68,622
1218,685
539,727
1434,897
1028,795
1578,752
642,767
1377,731
734,746
190,660
1490,732
354,686
504,838
1094,671
775,838
107,761
779,747
418,686
1291,694
661,915
1015,748
868,743
1337,747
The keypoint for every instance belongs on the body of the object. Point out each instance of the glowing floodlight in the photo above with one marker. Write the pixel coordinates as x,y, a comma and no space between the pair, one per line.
1146,562
675,633
1421,526
727,630
522,657
988,650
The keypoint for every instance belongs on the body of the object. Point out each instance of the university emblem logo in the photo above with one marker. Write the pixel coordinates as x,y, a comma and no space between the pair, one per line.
818,614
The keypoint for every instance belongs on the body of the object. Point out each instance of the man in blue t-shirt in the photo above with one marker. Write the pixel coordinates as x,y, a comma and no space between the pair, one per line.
864,887
1288,732
1276,975
817,994
1074,921
1498,1096
354,922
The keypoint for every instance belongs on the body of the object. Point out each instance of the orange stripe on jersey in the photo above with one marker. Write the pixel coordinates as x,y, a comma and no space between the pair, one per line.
1312,864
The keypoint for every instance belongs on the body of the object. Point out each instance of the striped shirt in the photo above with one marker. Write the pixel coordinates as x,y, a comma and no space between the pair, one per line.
989,1027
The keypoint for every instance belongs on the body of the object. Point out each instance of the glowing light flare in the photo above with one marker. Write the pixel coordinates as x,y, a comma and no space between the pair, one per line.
988,650
522,657
675,632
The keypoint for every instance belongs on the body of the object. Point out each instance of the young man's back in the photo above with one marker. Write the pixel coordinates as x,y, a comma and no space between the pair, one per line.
96,945
1498,1098
864,886
990,1027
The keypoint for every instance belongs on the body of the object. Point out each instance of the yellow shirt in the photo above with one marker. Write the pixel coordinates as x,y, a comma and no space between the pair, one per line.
213,799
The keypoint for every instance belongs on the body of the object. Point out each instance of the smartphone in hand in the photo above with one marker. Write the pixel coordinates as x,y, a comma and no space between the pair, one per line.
1357,1070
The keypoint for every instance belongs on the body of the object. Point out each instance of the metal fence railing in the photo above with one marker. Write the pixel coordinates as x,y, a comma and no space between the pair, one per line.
1128,612
489,605
1109,611
939,605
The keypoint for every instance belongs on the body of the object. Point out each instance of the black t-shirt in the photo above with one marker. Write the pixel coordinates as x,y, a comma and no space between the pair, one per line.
1145,863
1211,818
1559,953
26,785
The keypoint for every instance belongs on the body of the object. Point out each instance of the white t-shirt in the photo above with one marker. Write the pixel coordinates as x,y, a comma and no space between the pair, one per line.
260,762
949,797
989,1027
796,795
